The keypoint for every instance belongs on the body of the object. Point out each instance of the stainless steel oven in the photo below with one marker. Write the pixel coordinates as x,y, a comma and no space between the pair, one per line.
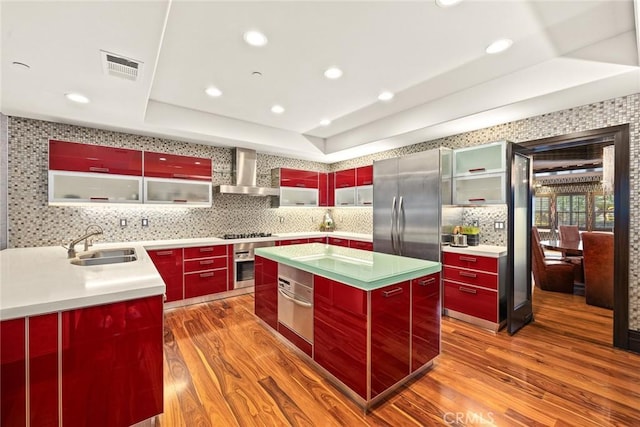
243,257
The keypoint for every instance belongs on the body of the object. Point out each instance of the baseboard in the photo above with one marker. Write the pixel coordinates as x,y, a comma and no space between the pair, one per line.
634,341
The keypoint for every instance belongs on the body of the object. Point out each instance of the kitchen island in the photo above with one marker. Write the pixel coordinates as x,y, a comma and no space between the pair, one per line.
374,318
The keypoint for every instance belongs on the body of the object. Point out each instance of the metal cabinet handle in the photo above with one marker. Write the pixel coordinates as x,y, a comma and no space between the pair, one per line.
393,215
466,258
206,249
180,175
210,274
392,292
477,170
426,282
300,184
398,216
467,290
179,200
294,300
164,253
97,169
206,262
465,274
479,199
99,199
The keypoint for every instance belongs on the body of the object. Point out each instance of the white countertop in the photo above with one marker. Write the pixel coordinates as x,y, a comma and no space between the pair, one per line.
41,280
480,250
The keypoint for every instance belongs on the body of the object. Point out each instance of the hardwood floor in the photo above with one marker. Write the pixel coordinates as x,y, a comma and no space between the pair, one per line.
222,368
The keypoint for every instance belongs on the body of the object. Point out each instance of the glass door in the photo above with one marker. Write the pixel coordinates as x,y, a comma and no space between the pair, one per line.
519,304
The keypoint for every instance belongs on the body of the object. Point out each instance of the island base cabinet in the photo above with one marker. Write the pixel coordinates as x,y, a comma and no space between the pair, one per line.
266,291
112,363
390,336
340,332
425,320
12,373
43,370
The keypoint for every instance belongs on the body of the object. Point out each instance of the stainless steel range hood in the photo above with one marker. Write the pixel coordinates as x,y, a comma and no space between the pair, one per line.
244,171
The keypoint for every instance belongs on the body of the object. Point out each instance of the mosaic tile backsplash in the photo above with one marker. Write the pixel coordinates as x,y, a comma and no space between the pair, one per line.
33,223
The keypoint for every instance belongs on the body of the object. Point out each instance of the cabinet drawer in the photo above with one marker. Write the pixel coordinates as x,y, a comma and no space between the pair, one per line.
472,277
205,283
338,242
467,299
162,257
205,251
205,264
471,261
292,242
359,244
317,240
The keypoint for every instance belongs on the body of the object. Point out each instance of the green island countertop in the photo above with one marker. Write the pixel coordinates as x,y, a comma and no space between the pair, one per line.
362,269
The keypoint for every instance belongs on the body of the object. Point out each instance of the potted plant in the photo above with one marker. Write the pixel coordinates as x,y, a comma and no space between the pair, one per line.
473,234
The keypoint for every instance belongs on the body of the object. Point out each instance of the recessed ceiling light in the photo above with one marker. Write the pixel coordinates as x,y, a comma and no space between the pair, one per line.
385,96
255,38
277,109
333,73
499,45
77,97
213,91
447,3
325,122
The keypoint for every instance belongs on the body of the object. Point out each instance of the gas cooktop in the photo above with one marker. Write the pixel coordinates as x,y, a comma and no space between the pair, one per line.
245,235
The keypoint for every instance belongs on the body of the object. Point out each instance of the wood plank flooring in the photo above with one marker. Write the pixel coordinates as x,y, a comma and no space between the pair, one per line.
223,368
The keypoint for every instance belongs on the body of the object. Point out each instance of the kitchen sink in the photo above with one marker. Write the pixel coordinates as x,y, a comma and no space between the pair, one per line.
105,256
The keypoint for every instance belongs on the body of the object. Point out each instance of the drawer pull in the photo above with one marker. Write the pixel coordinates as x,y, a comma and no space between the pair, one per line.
180,175
392,292
164,253
367,182
467,290
206,262
477,170
465,274
100,199
97,169
206,249
203,275
300,185
179,200
478,199
426,282
467,258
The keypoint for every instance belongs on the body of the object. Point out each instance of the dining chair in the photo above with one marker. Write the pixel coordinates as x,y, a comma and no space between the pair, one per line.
571,233
549,275
597,249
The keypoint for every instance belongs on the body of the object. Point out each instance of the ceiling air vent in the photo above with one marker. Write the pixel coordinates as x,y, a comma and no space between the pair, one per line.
120,66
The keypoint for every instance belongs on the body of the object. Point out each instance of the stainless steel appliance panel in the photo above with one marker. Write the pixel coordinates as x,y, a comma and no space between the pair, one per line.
295,301
243,256
385,202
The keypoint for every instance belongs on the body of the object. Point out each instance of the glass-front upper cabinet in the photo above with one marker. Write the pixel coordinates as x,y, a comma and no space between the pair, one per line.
177,192
78,187
487,158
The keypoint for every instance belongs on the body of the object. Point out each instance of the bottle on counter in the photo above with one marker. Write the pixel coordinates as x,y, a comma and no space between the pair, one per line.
327,223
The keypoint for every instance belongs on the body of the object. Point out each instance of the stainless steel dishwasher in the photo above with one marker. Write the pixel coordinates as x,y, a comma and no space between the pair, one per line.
295,300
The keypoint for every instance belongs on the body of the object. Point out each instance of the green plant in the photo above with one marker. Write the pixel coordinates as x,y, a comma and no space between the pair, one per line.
469,229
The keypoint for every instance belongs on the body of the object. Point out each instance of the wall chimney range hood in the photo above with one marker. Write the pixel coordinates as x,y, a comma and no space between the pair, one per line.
244,171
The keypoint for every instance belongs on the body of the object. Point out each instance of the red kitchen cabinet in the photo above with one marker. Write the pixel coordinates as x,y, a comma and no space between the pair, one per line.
331,197
364,175
112,363
425,320
43,370
12,373
336,241
76,157
161,165
266,291
291,242
340,332
168,262
473,262
323,189
345,178
359,244
472,300
390,336
318,240
298,178
205,269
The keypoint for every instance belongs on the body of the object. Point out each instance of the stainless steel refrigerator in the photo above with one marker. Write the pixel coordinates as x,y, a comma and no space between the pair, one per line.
408,194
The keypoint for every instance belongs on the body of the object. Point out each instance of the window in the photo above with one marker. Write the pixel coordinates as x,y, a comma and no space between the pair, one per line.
603,212
572,210
542,212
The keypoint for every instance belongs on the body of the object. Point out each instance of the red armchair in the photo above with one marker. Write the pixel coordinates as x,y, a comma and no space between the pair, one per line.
597,249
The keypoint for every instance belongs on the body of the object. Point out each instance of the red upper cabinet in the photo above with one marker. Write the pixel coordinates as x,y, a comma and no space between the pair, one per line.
160,165
298,178
76,157
345,178
323,189
364,175
331,198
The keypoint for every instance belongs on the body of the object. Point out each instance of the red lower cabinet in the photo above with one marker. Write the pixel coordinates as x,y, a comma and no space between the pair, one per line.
340,332
205,282
337,241
112,363
390,329
43,370
12,373
266,291
359,244
168,262
425,320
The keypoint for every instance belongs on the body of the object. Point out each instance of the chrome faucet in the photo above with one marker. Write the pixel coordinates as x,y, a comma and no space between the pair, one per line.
71,251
